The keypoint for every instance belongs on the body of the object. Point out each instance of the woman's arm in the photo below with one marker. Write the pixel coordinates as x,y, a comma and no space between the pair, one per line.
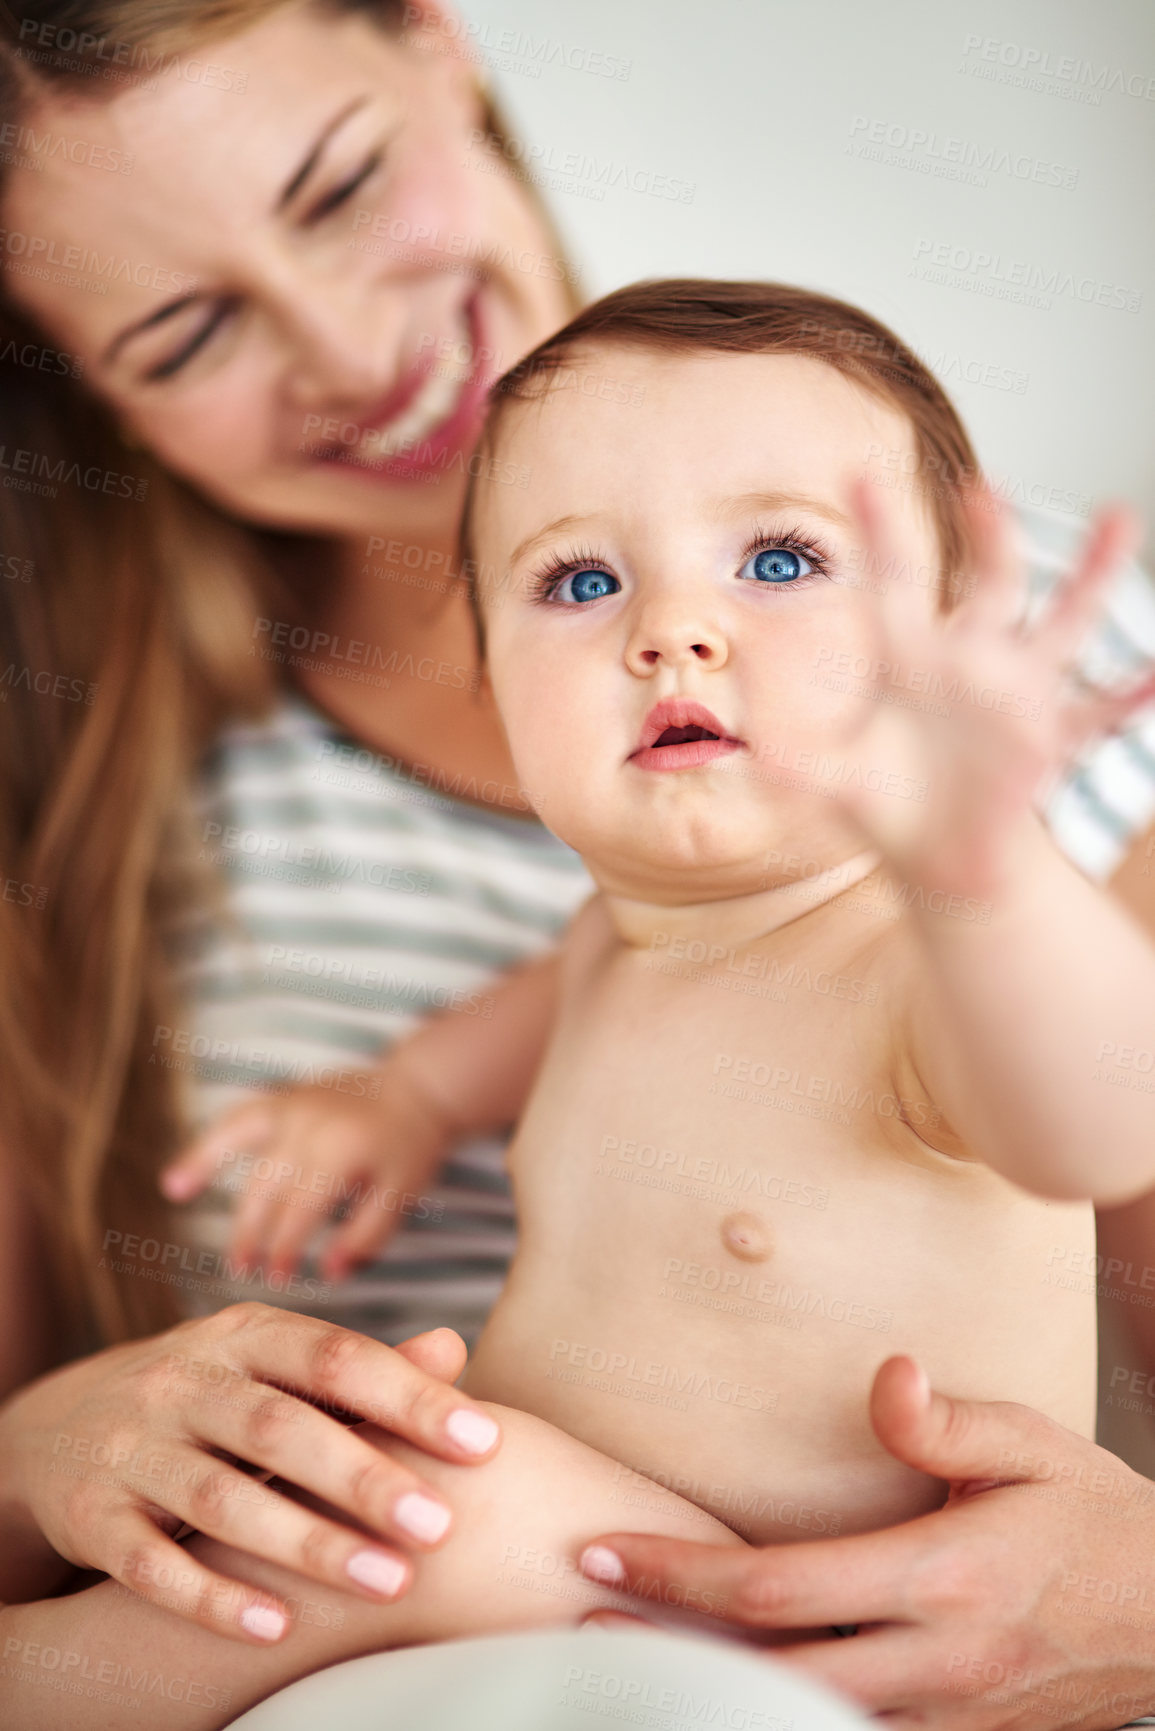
1126,1235
1028,1600
29,1567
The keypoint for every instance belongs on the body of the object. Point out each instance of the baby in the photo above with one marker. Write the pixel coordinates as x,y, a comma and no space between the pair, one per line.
821,1085
821,1079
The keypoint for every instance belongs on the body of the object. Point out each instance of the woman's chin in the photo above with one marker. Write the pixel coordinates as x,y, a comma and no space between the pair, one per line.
332,501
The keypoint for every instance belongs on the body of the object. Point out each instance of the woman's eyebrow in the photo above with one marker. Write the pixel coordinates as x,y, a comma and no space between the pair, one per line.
288,193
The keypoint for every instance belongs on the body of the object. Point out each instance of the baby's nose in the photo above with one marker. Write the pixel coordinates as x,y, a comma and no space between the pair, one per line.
677,633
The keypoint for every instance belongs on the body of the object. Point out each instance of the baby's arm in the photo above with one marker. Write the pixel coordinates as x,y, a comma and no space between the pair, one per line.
1032,978
291,1159
1018,1023
510,1561
477,1071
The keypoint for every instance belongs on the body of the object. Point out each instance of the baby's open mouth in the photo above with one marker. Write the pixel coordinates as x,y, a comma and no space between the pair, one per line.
681,733
682,736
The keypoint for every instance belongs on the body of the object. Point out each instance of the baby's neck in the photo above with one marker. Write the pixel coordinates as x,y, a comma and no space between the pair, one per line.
734,920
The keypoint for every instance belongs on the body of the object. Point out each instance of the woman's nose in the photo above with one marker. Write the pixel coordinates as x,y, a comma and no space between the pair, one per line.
337,356
675,630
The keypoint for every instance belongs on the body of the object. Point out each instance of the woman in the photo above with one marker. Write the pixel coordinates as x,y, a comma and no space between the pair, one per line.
313,234
217,402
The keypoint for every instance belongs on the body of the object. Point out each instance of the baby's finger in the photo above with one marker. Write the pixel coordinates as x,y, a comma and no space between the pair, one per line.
874,526
876,550
1000,590
243,1130
293,1225
250,1234
1106,712
356,1241
1113,538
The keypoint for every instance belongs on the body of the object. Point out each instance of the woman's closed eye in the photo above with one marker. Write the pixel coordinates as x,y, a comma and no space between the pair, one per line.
343,192
219,312
217,315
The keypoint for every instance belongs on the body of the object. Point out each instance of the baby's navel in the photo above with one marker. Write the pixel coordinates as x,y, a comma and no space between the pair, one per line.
746,1236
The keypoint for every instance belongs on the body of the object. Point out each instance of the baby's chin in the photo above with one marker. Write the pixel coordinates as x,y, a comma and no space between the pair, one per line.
701,840
683,881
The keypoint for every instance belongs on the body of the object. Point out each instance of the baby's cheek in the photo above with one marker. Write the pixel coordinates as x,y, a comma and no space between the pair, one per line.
828,661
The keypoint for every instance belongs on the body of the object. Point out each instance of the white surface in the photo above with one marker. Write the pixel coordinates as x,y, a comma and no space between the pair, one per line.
561,1680
759,104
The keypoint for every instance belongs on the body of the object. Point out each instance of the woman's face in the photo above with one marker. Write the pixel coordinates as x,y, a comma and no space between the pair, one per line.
297,295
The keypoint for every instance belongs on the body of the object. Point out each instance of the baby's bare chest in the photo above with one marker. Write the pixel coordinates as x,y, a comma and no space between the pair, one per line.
713,1182
734,1089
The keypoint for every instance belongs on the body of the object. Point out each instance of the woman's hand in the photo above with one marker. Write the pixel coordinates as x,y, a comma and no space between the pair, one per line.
111,1455
1027,1601
295,1158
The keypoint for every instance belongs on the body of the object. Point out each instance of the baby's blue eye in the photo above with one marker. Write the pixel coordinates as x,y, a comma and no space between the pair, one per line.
776,565
588,585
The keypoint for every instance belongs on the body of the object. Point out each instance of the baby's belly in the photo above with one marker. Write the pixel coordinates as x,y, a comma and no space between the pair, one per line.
741,1380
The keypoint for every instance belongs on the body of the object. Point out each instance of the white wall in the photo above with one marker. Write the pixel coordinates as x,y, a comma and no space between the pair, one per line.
762,107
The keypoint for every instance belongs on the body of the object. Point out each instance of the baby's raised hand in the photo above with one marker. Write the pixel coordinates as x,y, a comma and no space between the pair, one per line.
970,714
294,1159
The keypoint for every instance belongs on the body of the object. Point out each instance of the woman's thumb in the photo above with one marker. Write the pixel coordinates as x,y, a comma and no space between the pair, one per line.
976,1442
440,1352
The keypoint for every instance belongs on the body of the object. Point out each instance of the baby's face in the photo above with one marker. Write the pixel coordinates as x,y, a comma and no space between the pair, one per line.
688,557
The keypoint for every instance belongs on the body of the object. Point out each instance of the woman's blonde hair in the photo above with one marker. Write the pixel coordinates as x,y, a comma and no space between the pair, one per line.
126,614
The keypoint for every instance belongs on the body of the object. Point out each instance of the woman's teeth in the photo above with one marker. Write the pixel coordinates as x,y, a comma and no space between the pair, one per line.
433,403
423,416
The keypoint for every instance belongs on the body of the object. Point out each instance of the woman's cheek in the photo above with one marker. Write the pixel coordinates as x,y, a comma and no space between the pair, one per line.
438,199
212,435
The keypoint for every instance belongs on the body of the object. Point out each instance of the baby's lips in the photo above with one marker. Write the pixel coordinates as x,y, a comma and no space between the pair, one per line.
677,712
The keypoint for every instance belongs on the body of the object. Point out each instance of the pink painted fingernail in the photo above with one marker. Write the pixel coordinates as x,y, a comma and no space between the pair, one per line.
471,1431
263,1622
421,1517
380,1573
177,1185
602,1564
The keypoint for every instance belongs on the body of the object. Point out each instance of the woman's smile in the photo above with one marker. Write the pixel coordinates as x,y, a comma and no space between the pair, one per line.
434,412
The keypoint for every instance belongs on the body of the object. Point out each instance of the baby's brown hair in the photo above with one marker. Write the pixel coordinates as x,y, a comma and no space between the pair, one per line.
687,315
